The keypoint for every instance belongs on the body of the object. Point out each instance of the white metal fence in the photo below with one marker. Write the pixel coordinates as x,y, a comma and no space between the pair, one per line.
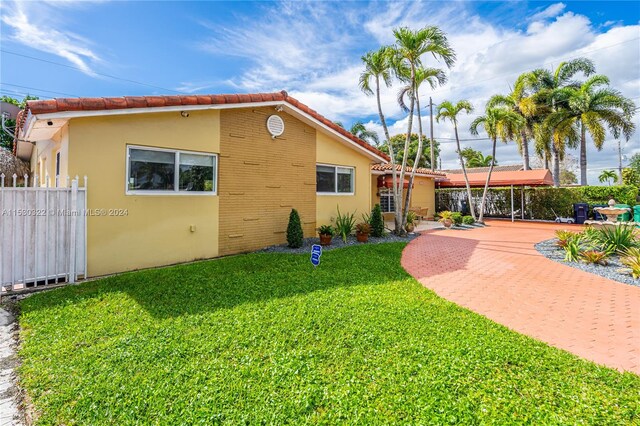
43,232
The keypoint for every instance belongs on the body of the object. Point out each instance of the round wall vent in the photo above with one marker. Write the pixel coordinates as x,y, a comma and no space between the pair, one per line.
275,125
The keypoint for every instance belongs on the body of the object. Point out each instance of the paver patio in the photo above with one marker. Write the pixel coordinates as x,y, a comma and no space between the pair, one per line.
497,272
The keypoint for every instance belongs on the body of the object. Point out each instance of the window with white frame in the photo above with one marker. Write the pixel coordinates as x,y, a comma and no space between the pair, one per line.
152,170
387,201
334,179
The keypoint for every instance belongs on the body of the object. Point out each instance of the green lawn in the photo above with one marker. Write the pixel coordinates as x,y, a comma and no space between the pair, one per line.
263,338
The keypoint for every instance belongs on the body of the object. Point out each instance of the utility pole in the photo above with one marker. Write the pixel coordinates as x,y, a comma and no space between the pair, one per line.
433,159
619,163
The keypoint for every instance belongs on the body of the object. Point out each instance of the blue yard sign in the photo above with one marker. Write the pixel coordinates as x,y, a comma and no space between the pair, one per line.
316,252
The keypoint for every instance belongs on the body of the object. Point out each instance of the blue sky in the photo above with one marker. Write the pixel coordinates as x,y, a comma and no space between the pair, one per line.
310,49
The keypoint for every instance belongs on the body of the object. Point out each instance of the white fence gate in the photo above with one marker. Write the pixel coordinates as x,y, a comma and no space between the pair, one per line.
43,232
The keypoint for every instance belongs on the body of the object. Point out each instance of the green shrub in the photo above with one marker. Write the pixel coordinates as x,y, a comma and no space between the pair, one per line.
294,230
457,218
572,249
539,202
468,220
377,222
616,239
593,256
326,230
411,217
565,236
444,215
345,223
631,259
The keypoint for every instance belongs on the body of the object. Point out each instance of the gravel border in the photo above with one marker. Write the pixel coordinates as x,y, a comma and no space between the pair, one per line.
337,243
550,250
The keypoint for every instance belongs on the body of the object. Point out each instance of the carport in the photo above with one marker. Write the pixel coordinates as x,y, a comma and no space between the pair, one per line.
516,178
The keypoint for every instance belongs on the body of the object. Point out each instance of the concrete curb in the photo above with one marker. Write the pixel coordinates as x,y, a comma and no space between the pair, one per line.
10,415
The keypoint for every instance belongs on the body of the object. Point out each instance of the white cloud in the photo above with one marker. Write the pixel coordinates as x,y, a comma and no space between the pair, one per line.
300,48
549,12
33,26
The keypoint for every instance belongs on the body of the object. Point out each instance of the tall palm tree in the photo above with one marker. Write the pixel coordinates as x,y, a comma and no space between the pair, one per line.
409,48
591,107
480,160
434,77
377,67
607,176
519,101
497,123
360,130
449,111
547,86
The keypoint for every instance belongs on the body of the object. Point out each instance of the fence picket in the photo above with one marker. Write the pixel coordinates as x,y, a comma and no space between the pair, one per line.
31,252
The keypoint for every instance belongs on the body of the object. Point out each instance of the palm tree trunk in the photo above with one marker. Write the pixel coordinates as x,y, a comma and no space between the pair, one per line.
486,184
464,172
556,165
394,172
583,155
525,150
400,215
407,202
546,160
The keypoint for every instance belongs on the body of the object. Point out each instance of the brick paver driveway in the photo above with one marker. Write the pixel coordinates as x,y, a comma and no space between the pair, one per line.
497,272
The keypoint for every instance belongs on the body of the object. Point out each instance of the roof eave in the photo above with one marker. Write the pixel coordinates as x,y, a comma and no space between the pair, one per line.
66,115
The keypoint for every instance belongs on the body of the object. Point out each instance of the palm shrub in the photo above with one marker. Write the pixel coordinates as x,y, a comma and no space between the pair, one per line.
573,249
294,230
377,222
565,236
594,256
616,239
345,223
631,259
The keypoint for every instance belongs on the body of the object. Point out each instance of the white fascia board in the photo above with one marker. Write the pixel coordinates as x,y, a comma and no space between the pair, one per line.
179,108
174,108
332,132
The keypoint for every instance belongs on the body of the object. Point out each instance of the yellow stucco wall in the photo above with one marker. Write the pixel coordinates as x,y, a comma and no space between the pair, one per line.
262,179
43,158
423,195
157,228
330,151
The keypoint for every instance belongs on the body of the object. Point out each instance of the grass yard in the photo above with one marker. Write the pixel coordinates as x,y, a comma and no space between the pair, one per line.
263,338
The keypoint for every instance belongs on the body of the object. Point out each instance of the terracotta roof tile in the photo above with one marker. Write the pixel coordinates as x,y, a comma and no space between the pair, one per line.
115,103
421,170
97,104
534,177
134,102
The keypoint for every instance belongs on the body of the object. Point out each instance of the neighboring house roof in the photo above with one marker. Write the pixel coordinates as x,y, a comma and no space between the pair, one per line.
387,168
509,168
69,107
536,177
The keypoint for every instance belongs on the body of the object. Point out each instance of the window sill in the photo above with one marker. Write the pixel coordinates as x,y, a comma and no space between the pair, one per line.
172,193
335,193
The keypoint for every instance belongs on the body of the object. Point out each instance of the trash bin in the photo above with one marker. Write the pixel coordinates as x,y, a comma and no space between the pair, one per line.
624,217
636,213
580,212
464,208
596,215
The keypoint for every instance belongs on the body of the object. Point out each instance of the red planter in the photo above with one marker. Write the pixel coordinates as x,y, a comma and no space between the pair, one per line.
362,238
325,240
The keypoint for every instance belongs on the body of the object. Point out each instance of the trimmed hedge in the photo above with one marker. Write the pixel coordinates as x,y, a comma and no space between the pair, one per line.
294,230
540,203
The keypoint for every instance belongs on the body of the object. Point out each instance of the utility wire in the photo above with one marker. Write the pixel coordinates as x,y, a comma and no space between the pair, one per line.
23,94
96,73
39,90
